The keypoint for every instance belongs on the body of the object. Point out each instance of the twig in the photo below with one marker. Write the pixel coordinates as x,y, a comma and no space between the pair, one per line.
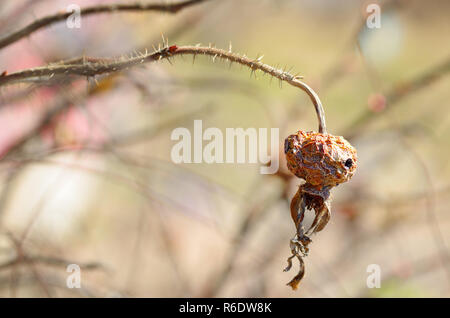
53,111
90,66
105,8
17,13
254,215
396,94
432,220
337,70
48,260
419,267
55,281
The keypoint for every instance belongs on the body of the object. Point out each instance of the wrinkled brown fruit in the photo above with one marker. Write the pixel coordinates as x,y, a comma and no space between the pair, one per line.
323,161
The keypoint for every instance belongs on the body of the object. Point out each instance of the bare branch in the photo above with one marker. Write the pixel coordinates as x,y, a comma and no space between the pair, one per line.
89,66
51,261
106,8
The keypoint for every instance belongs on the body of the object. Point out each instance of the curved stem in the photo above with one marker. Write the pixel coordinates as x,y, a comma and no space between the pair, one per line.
255,64
88,66
317,105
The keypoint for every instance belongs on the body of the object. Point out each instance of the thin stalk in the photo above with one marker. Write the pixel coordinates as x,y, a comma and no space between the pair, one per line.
89,67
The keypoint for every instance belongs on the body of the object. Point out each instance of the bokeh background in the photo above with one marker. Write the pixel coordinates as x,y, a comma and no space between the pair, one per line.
86,175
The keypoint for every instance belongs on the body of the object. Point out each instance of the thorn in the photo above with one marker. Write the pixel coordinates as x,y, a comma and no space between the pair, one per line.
214,58
230,47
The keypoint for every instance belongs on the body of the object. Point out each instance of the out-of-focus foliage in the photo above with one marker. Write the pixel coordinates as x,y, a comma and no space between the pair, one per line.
95,184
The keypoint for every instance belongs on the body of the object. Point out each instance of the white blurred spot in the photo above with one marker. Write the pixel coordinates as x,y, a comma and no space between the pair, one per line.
383,44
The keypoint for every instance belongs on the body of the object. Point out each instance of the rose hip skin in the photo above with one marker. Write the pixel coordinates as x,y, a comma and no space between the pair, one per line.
322,160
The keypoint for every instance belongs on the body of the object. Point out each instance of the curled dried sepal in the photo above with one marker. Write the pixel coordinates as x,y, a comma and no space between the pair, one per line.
298,246
309,198
297,278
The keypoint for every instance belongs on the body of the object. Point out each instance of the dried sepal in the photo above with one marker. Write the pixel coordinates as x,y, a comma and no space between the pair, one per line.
297,278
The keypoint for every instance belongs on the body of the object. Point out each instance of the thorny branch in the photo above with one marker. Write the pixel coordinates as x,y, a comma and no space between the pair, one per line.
105,8
91,66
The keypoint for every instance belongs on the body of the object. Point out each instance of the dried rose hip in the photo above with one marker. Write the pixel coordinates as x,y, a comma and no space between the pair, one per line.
322,160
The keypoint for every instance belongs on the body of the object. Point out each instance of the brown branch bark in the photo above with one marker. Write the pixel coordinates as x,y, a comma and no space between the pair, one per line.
48,260
106,8
90,66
